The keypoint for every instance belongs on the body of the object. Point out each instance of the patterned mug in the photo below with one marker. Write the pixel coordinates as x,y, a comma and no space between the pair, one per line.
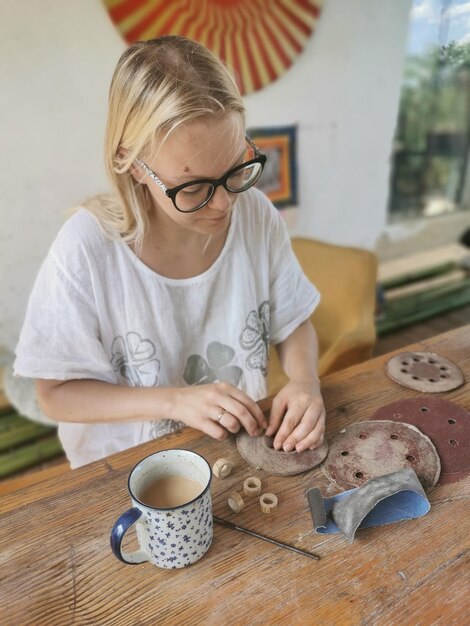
168,536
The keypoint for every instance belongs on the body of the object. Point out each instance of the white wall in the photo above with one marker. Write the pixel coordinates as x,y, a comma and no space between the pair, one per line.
55,66
56,62
344,94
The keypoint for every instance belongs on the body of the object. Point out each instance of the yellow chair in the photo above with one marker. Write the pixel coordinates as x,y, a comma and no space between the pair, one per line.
344,319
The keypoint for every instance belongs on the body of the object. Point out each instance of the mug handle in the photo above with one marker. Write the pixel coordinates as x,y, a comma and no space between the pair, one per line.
123,523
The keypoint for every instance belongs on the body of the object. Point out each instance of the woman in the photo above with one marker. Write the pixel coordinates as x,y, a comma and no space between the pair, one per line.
155,306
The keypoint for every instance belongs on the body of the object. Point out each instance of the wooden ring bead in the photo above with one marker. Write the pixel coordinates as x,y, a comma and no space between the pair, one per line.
268,502
252,486
222,468
236,502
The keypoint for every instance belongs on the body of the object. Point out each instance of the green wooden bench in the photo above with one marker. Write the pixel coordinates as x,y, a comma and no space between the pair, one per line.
430,297
25,444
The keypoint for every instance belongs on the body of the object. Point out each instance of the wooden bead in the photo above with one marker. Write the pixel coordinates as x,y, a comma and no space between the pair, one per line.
268,502
222,468
236,502
252,486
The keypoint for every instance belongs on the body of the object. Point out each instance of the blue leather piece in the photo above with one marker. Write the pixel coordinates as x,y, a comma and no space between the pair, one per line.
383,500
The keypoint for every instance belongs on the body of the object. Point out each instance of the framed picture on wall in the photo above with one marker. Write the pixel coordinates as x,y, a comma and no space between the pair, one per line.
279,178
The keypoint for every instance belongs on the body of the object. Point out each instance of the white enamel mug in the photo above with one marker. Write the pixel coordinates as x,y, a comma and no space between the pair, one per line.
168,537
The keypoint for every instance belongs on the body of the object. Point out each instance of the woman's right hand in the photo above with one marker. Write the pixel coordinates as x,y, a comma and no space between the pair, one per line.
217,409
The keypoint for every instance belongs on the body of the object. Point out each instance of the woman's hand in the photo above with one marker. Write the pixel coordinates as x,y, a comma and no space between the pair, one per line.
217,409
297,417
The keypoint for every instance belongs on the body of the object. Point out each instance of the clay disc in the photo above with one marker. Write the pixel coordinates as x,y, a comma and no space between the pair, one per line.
445,423
366,450
424,371
259,453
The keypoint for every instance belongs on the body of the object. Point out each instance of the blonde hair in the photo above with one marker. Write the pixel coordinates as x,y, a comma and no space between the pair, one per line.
157,86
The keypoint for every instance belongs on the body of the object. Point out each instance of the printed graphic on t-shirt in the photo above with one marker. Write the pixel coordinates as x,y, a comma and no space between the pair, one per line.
158,428
201,371
134,359
255,337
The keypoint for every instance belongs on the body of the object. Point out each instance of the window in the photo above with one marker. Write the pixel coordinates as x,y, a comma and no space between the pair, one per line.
430,166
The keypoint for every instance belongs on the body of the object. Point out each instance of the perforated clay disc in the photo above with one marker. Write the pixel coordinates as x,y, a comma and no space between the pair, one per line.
259,453
445,423
424,371
366,450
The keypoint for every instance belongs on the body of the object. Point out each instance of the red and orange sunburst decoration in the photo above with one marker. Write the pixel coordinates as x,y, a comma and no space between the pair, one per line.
258,39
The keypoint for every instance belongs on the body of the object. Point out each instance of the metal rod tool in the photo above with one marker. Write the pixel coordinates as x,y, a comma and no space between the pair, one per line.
233,526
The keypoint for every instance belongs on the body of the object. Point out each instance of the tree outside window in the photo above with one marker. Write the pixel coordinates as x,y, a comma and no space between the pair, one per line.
431,167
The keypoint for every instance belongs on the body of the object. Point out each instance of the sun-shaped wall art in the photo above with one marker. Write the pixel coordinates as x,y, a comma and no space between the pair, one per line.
257,39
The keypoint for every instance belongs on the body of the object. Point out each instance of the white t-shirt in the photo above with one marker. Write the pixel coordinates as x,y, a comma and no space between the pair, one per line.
96,311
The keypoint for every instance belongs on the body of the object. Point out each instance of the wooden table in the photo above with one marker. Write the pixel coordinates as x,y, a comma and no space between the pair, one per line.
57,567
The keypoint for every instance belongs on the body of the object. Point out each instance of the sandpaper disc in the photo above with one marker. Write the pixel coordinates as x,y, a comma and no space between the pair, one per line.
366,450
445,423
259,453
424,371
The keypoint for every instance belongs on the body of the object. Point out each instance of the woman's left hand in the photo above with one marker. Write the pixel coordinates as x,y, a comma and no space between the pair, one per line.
297,417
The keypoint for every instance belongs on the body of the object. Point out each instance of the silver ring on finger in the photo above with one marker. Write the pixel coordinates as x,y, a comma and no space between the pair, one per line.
221,414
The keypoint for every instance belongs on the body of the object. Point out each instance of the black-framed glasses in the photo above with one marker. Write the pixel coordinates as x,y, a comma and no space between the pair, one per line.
193,195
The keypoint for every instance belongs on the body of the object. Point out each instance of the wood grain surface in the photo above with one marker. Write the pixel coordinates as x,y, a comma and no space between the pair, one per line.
56,566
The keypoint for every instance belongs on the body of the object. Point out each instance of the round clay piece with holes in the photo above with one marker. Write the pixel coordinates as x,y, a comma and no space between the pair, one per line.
366,450
259,453
445,423
424,371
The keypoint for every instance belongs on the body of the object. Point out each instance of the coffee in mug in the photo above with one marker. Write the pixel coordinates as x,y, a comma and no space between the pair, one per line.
172,510
171,491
